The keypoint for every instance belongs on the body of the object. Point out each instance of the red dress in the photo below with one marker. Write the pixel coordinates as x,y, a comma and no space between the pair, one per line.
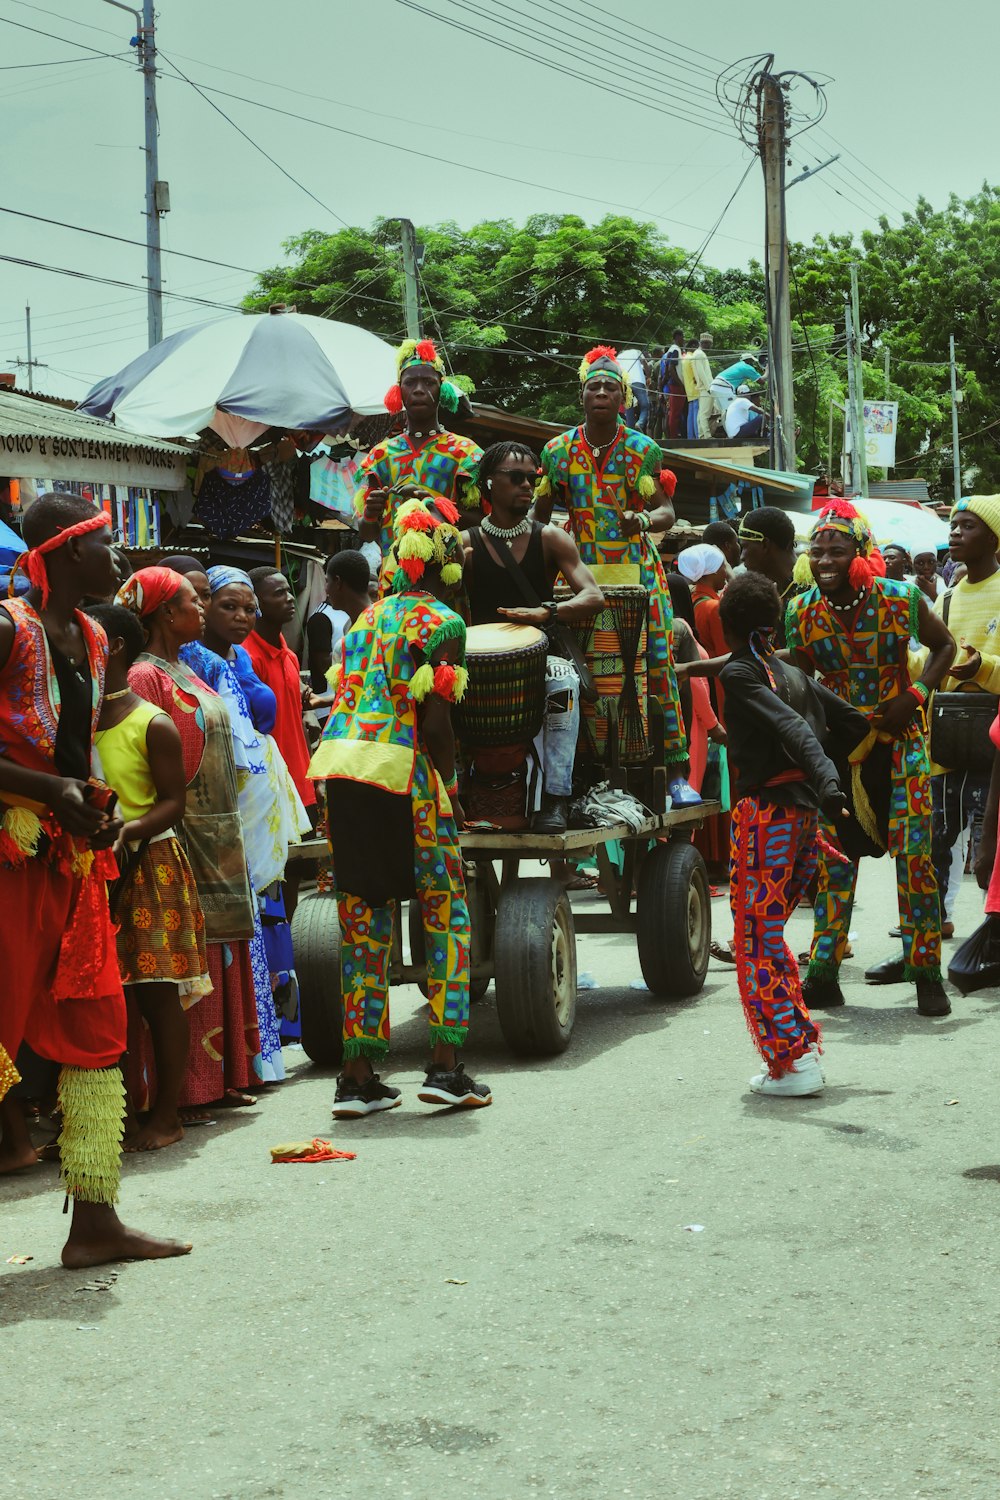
278,667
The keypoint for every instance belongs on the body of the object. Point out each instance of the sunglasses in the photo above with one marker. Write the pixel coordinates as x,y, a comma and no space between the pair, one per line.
520,476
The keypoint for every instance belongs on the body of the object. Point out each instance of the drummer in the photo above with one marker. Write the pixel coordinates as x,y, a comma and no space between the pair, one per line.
607,476
424,454
521,590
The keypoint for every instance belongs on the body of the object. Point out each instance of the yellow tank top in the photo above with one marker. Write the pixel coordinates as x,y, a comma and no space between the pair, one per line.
125,761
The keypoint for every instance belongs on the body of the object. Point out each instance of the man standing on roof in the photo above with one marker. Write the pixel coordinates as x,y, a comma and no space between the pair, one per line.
634,365
727,383
424,454
608,477
701,369
672,385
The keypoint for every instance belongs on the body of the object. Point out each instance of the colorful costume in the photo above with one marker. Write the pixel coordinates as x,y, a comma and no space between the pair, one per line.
866,663
595,490
442,462
391,823
62,993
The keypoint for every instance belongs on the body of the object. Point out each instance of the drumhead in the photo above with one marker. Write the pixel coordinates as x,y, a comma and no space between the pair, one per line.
499,640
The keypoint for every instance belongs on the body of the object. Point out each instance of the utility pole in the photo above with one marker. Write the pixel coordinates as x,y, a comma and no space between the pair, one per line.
858,415
29,364
851,413
888,471
411,297
157,192
772,150
957,462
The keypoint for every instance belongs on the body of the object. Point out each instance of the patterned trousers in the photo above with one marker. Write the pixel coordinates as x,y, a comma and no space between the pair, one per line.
916,888
772,860
366,938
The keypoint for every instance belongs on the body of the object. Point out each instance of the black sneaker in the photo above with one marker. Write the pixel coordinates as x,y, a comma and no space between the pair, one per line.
455,1088
822,994
354,1099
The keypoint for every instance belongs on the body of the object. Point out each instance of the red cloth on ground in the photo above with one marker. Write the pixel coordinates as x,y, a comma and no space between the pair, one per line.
88,1030
278,667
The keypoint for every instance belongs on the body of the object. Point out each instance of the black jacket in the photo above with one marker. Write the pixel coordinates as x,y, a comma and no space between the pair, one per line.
802,724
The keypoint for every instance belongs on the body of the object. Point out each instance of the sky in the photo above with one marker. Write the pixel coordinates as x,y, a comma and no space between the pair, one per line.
619,113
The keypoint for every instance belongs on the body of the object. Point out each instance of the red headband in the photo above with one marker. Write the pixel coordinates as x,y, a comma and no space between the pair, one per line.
147,589
34,561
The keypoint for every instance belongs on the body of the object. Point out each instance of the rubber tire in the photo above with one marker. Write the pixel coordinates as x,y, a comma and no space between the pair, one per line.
316,943
674,919
533,917
415,927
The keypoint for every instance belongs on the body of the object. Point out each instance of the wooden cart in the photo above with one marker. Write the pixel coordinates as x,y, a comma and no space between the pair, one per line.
524,929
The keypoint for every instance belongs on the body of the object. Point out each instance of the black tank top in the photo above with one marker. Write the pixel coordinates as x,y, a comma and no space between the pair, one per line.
490,586
71,751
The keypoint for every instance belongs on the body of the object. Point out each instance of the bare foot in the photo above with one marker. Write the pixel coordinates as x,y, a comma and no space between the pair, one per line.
154,1135
235,1099
98,1235
17,1157
196,1117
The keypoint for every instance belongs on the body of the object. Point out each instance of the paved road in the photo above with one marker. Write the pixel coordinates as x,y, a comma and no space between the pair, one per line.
511,1305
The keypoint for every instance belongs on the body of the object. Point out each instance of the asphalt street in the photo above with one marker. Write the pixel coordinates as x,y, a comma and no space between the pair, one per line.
630,1277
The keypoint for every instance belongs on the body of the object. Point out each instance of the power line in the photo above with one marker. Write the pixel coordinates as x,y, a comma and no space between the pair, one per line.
54,38
131,286
547,62
73,21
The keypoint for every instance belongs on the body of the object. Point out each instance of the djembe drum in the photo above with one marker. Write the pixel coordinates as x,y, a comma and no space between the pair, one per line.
498,717
614,644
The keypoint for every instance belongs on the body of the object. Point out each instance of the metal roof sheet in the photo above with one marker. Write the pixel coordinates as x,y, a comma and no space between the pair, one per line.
23,416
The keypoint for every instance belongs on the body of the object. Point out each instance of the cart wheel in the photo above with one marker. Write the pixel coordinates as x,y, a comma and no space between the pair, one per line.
536,967
316,942
674,919
415,927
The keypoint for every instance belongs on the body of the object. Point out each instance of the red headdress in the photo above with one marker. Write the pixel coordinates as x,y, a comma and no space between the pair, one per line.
33,562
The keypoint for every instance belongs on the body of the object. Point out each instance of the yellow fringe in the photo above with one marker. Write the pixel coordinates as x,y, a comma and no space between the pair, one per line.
461,683
543,487
8,1073
92,1101
416,544
646,486
23,828
422,682
802,573
83,861
863,810
334,675
451,573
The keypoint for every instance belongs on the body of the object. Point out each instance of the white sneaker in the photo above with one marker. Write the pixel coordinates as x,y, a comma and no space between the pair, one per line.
804,1078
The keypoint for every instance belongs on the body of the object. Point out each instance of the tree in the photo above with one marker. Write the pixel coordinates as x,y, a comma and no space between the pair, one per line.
515,306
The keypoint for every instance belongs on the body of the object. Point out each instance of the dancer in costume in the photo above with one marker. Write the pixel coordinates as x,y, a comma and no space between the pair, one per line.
777,720
427,455
607,476
62,993
852,630
388,757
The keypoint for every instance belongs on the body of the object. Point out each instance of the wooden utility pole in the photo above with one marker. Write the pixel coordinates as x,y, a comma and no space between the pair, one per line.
956,458
411,295
858,413
772,152
849,422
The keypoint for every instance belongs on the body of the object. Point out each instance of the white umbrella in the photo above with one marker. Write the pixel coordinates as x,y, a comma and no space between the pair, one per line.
287,370
911,526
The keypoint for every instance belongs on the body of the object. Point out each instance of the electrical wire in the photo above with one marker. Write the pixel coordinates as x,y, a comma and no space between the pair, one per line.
54,38
131,286
548,62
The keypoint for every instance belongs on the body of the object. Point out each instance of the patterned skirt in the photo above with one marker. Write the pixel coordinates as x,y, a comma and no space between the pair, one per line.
161,939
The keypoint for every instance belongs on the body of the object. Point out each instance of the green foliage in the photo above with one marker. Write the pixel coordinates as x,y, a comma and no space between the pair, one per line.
517,306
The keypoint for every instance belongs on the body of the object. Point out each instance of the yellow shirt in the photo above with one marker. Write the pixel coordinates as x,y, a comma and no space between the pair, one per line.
687,375
974,617
125,761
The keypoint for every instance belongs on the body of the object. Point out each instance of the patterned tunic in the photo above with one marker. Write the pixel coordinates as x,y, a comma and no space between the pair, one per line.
444,463
589,489
866,666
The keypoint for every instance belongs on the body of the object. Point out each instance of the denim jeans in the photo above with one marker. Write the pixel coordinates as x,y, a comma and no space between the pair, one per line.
556,740
959,799
692,419
640,410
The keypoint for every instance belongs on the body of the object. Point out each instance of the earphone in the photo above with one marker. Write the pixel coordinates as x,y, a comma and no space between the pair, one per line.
489,484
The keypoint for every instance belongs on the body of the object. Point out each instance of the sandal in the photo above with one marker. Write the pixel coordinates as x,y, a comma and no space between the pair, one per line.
724,954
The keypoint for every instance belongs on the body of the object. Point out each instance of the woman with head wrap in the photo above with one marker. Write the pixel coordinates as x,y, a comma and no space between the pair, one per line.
611,480
224,1028
852,629
271,809
388,758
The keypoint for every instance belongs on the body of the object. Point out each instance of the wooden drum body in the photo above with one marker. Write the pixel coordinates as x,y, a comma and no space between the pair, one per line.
614,643
504,703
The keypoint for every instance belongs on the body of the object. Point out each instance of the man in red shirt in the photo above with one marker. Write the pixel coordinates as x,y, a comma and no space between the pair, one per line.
277,665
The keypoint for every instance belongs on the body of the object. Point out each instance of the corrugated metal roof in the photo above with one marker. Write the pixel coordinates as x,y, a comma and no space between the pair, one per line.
23,416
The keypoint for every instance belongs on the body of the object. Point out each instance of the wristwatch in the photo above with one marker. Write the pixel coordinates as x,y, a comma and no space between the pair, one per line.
553,609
